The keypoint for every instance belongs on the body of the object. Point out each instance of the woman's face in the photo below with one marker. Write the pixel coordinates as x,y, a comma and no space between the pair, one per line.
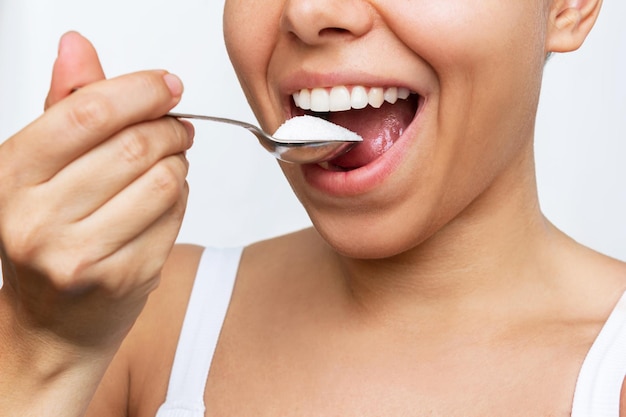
473,70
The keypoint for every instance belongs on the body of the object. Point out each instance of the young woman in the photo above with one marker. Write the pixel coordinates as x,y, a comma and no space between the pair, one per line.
431,283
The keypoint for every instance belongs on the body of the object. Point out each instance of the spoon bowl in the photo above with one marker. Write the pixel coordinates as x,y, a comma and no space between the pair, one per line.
298,151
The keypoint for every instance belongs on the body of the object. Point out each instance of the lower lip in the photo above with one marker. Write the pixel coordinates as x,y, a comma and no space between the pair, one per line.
366,178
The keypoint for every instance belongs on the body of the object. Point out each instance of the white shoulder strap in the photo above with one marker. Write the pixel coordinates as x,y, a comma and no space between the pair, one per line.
208,304
602,374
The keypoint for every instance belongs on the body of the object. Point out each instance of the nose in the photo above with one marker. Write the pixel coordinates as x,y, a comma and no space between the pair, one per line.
316,22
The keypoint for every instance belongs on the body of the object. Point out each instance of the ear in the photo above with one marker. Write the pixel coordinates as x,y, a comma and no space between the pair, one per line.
570,21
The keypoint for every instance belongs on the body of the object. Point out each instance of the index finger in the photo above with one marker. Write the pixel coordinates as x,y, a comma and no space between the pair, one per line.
86,118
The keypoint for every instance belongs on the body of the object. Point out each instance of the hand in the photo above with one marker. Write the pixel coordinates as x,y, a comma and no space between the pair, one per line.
92,195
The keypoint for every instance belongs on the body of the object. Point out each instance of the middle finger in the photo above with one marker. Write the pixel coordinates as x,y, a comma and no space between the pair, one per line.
96,177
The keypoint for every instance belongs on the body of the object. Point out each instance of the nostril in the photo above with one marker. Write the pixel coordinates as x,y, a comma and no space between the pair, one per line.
333,31
319,21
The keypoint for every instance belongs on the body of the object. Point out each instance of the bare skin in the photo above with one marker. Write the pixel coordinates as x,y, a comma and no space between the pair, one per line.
447,297
73,284
424,329
315,349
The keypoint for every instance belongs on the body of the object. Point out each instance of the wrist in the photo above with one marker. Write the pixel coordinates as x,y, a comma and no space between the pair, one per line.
46,375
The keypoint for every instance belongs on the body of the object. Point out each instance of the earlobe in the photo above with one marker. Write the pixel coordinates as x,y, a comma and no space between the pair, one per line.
569,23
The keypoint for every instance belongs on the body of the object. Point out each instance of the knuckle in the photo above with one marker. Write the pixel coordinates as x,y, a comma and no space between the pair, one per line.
66,273
184,163
36,249
180,133
175,137
18,251
135,145
67,266
166,180
21,242
91,112
138,143
177,211
152,84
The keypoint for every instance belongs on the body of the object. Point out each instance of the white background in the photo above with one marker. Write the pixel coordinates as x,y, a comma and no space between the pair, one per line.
238,194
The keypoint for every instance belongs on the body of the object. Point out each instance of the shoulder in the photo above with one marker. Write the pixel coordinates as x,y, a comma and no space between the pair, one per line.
165,310
152,344
137,379
177,278
604,286
604,281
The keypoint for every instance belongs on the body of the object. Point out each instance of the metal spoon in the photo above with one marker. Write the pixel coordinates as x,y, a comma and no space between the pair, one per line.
288,150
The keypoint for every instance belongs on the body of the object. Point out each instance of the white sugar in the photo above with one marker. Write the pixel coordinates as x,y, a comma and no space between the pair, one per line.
314,129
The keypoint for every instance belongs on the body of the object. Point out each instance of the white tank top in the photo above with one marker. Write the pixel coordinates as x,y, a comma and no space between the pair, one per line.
208,303
597,389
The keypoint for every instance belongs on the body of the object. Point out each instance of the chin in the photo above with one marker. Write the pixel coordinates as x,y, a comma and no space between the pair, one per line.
371,236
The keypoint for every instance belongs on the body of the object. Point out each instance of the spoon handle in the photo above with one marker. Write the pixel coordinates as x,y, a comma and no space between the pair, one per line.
214,119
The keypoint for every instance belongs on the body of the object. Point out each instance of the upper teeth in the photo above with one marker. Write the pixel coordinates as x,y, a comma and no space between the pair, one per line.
341,98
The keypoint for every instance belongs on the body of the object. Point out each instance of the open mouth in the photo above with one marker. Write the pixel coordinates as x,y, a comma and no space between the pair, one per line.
379,115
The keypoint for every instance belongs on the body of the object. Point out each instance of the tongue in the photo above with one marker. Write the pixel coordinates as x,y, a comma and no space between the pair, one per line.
380,128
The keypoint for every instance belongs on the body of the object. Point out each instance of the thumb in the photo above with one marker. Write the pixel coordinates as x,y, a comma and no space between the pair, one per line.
77,65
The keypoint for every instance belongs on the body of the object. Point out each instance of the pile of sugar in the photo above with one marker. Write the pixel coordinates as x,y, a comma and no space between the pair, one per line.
305,128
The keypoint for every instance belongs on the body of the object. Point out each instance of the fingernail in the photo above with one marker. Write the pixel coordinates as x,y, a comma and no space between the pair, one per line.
174,84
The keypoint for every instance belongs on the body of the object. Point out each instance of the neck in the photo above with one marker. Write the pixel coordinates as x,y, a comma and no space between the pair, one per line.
486,254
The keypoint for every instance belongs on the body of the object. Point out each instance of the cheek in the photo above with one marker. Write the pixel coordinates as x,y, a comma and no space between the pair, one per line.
488,57
448,33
